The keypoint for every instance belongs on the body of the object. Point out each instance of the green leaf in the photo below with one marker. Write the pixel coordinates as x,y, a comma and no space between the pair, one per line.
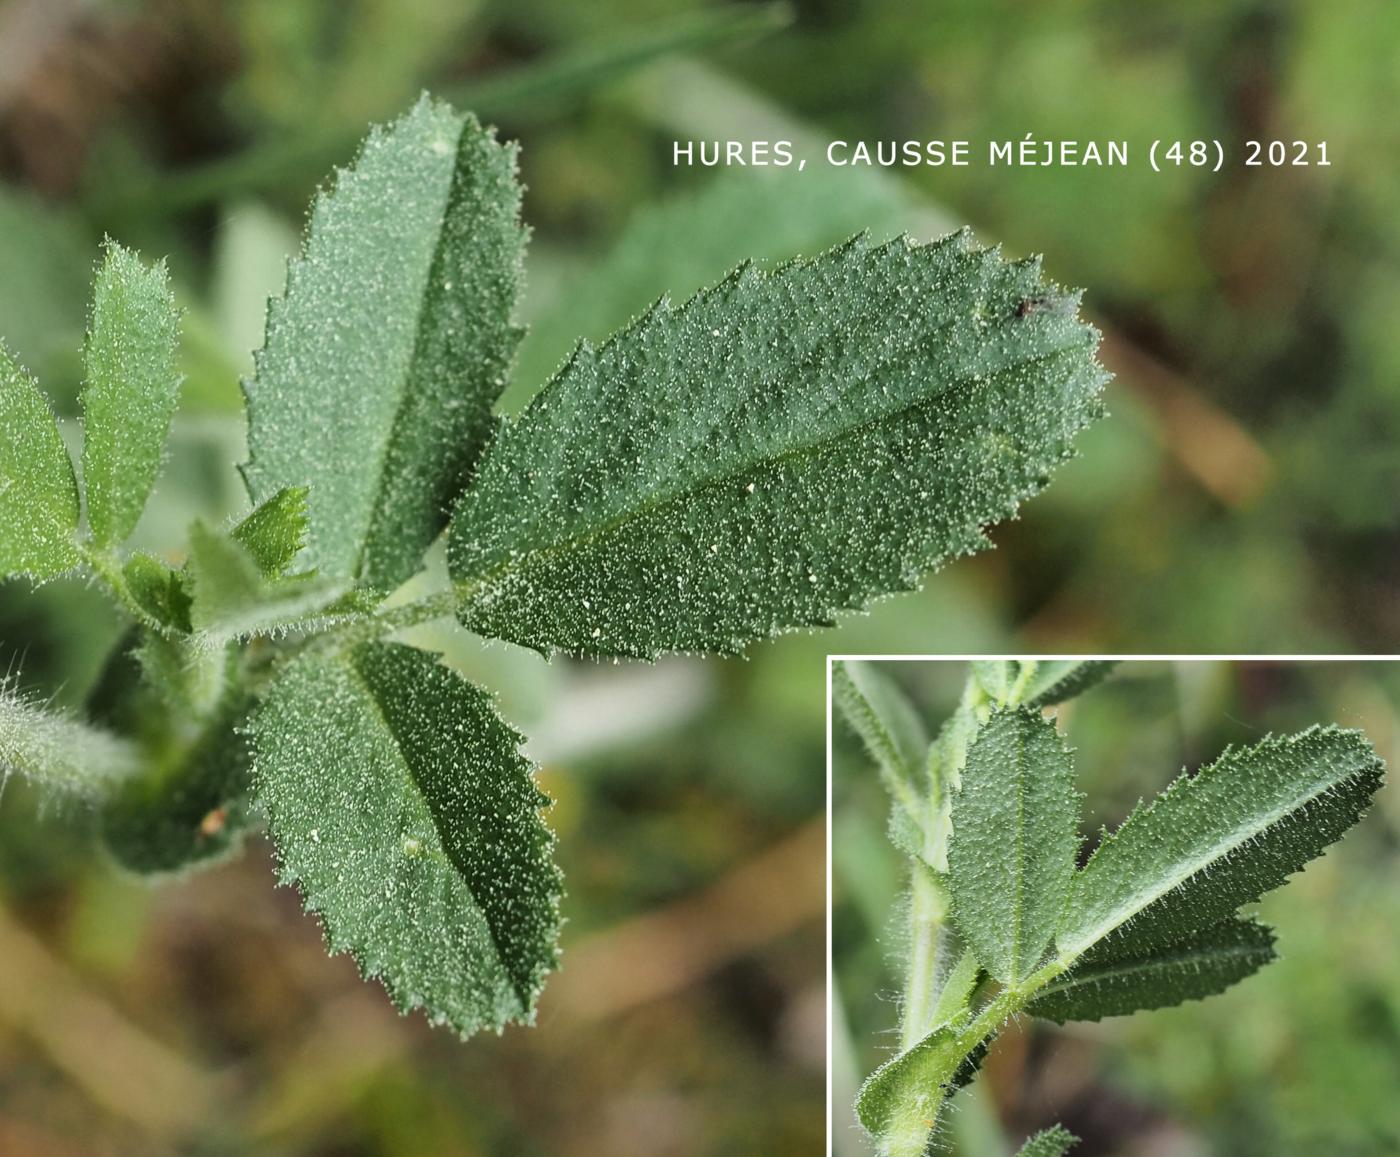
955,995
996,677
131,384
190,807
1012,850
785,446
1106,983
899,1102
393,339
57,752
158,589
401,807
1037,682
1054,681
38,494
684,242
275,532
1222,838
1053,1142
232,598
894,736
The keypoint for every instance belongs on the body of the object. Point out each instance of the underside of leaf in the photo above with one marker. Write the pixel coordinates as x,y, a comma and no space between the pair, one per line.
1106,983
402,809
787,445
1222,838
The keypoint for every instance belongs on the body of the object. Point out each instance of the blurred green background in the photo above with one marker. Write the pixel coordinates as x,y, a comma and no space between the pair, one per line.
1301,1059
1240,497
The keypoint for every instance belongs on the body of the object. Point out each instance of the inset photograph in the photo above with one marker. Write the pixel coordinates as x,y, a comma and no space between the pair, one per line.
1114,908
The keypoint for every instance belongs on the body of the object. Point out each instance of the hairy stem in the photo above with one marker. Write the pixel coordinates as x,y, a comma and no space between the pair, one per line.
928,909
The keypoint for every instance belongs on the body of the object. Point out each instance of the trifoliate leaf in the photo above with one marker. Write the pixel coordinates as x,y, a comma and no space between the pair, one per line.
1053,1142
403,810
1012,850
275,532
232,598
159,590
38,493
785,446
393,339
1037,682
58,752
189,806
1222,838
1105,983
894,735
131,384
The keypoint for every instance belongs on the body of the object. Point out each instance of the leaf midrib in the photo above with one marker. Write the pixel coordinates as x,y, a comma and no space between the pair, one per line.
1131,968
405,376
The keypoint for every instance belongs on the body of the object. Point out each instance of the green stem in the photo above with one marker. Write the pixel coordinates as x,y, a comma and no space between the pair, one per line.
908,1135
439,605
928,910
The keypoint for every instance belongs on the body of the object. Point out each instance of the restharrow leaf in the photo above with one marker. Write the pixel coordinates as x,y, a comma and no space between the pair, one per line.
1053,1142
383,359
1105,983
231,597
1012,851
900,1102
131,385
38,494
402,809
785,446
275,532
1220,839
894,736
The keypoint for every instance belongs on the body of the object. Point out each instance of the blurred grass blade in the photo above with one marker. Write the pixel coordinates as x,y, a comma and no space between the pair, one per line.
565,73
893,734
1104,983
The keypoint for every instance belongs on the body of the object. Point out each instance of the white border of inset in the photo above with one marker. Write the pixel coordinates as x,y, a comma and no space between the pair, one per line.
969,657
